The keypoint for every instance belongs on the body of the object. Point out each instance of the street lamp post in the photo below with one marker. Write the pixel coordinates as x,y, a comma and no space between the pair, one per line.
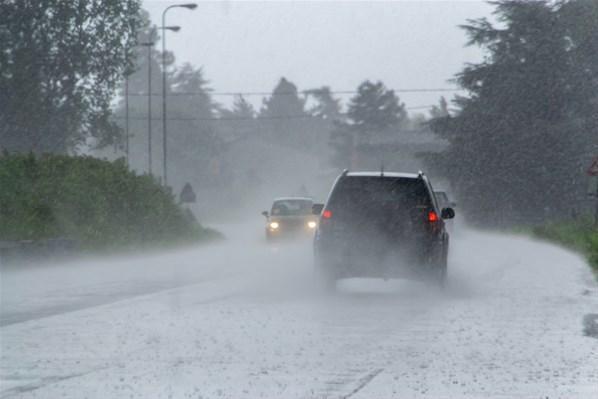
127,74
127,117
189,6
149,46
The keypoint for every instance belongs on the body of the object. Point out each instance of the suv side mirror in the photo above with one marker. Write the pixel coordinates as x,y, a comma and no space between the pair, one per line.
265,213
316,209
447,213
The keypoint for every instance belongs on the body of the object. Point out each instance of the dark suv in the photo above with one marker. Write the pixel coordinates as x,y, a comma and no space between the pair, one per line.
380,224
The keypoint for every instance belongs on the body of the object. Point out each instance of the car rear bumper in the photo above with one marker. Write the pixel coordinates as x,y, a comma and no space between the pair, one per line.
409,259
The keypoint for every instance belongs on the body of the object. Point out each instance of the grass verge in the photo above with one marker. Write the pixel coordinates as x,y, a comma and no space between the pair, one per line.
580,235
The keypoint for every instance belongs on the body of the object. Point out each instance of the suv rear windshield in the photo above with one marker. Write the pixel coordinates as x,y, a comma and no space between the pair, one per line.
442,198
291,207
358,194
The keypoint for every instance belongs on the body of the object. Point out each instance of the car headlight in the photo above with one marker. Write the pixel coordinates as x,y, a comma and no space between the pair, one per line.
273,225
311,224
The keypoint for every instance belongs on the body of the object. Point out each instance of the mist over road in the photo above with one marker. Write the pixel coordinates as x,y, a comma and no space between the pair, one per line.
242,319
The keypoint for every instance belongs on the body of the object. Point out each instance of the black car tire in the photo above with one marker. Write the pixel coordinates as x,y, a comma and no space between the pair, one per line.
443,267
443,264
435,260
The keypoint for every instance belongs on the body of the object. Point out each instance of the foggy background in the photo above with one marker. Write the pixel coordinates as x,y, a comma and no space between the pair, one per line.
496,102
248,46
238,144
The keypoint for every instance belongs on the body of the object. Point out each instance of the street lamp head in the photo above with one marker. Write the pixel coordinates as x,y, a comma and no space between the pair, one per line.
190,6
171,28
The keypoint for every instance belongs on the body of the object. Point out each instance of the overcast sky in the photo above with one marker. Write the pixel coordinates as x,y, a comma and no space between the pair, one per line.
248,46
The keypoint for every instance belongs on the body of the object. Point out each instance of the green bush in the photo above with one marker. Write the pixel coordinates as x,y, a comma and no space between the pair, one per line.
99,204
581,235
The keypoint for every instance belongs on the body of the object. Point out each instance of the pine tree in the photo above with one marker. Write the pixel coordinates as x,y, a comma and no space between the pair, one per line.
373,112
283,117
242,109
326,107
440,110
284,101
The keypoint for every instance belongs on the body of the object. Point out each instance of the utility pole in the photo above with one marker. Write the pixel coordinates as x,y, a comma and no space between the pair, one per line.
127,74
149,106
127,117
164,144
149,46
164,29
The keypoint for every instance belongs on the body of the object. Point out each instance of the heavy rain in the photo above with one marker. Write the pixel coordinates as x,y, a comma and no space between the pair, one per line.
285,199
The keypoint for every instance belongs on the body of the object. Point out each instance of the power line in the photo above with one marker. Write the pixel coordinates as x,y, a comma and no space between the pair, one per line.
290,93
217,119
419,107
245,118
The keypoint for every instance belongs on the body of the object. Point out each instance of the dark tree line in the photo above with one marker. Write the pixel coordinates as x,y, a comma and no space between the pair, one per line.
521,139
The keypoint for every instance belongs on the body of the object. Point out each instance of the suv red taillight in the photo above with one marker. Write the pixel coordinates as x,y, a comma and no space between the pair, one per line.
327,214
432,216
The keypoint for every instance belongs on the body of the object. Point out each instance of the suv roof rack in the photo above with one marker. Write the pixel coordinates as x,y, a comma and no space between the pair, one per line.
345,171
420,174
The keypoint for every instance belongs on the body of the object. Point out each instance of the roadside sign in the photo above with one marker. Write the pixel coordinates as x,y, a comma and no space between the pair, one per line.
593,169
187,194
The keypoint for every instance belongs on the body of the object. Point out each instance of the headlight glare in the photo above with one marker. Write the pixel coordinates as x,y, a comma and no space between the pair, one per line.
274,225
311,224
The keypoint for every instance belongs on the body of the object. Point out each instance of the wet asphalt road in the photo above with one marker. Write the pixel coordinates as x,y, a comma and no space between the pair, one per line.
242,319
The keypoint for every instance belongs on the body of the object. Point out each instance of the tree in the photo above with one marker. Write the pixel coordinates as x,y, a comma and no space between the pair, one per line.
283,117
284,102
326,107
374,109
191,94
579,23
241,110
60,63
194,143
373,112
239,122
440,110
519,140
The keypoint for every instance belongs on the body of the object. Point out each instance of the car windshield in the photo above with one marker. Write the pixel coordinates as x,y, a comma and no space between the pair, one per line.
355,193
292,207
